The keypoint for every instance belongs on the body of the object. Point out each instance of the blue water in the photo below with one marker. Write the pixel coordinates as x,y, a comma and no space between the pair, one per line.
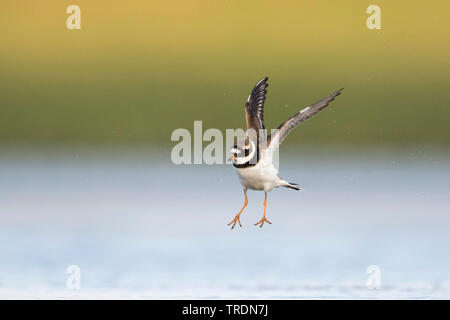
140,227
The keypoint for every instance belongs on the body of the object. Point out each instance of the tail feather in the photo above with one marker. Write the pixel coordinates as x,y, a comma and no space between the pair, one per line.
291,185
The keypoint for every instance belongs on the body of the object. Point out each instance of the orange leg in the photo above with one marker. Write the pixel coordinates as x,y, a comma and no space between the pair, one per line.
236,219
264,219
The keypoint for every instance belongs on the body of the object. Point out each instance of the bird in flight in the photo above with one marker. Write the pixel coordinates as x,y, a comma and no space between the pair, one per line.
253,156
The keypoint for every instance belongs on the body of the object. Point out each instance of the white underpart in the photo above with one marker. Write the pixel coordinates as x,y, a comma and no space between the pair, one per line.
262,176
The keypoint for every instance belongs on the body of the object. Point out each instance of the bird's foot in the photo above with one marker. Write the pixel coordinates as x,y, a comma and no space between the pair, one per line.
264,219
234,221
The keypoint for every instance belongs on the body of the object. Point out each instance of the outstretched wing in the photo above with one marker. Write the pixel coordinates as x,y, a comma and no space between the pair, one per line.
275,139
254,107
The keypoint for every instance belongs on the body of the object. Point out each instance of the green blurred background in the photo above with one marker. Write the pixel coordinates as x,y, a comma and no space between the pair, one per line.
138,70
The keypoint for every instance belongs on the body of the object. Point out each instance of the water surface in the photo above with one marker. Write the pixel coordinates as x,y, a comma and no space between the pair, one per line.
139,227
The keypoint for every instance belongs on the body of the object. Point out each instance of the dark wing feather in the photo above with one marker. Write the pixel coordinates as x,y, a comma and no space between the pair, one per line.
287,126
254,107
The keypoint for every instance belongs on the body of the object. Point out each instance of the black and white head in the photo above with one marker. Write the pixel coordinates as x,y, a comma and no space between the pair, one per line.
244,153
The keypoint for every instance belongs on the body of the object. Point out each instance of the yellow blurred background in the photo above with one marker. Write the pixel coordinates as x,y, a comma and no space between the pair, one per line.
138,70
